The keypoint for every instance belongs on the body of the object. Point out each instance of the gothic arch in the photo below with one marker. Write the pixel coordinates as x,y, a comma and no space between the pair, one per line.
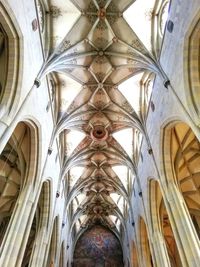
165,140
10,53
159,19
42,8
161,222
17,170
182,163
34,167
191,66
45,202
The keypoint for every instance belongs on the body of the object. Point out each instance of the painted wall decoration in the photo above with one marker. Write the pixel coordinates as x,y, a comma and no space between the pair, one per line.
98,247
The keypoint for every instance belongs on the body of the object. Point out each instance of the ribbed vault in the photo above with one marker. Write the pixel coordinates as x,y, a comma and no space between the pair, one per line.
93,51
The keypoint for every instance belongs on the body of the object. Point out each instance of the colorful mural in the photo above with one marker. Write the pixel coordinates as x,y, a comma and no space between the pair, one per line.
98,247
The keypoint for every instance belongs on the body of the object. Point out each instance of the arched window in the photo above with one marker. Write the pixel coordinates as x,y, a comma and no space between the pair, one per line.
159,20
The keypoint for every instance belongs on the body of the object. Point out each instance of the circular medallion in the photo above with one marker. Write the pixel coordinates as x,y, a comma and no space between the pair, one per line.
99,133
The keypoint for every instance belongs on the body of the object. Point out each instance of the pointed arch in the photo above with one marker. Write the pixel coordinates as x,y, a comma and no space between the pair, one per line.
184,155
11,49
160,222
181,167
191,66
18,162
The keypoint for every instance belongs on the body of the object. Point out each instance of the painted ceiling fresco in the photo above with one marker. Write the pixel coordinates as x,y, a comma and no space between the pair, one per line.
98,247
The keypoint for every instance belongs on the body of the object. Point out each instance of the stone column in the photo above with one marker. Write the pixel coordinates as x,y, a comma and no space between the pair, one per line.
14,244
40,248
160,251
185,235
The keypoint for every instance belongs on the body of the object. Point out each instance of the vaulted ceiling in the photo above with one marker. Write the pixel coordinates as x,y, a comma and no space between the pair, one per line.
103,75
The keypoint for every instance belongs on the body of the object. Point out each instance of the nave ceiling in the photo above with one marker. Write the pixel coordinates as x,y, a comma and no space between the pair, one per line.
103,74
